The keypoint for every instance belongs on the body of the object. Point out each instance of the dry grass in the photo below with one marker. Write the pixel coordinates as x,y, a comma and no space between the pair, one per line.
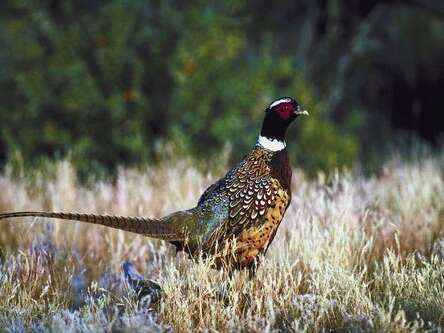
353,254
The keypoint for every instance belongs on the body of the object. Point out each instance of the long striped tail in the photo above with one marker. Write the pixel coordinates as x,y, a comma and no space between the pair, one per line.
156,228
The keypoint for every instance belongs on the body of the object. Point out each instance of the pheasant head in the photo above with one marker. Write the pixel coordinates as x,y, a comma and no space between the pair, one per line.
278,116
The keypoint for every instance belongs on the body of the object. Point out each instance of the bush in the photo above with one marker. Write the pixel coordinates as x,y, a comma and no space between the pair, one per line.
111,83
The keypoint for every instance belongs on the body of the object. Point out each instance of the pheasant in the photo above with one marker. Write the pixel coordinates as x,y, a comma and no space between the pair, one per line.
237,217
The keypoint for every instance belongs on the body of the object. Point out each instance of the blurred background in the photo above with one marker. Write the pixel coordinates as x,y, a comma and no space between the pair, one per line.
109,83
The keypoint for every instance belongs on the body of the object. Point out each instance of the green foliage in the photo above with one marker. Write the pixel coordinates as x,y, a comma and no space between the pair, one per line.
113,82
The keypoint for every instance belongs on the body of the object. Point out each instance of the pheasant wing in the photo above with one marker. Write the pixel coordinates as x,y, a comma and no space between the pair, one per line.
250,191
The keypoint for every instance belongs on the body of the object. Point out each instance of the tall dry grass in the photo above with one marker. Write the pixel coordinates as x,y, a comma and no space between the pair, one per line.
352,254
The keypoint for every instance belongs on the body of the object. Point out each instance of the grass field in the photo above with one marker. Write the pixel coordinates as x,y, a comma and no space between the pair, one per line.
353,253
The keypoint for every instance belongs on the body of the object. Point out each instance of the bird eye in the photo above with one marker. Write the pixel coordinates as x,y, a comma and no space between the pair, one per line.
286,108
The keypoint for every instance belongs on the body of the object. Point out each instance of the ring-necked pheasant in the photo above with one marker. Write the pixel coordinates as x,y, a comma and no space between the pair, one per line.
237,217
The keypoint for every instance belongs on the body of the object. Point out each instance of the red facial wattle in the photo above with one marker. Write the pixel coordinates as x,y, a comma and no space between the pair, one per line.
285,110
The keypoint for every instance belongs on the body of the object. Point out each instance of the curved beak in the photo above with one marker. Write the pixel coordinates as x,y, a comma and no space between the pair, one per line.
299,111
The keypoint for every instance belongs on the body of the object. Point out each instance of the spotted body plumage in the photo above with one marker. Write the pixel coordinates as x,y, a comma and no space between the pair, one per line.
256,205
237,217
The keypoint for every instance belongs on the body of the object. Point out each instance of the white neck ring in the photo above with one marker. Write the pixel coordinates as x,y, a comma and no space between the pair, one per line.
271,144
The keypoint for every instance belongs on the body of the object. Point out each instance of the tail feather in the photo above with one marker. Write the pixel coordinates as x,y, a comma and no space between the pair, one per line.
157,228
